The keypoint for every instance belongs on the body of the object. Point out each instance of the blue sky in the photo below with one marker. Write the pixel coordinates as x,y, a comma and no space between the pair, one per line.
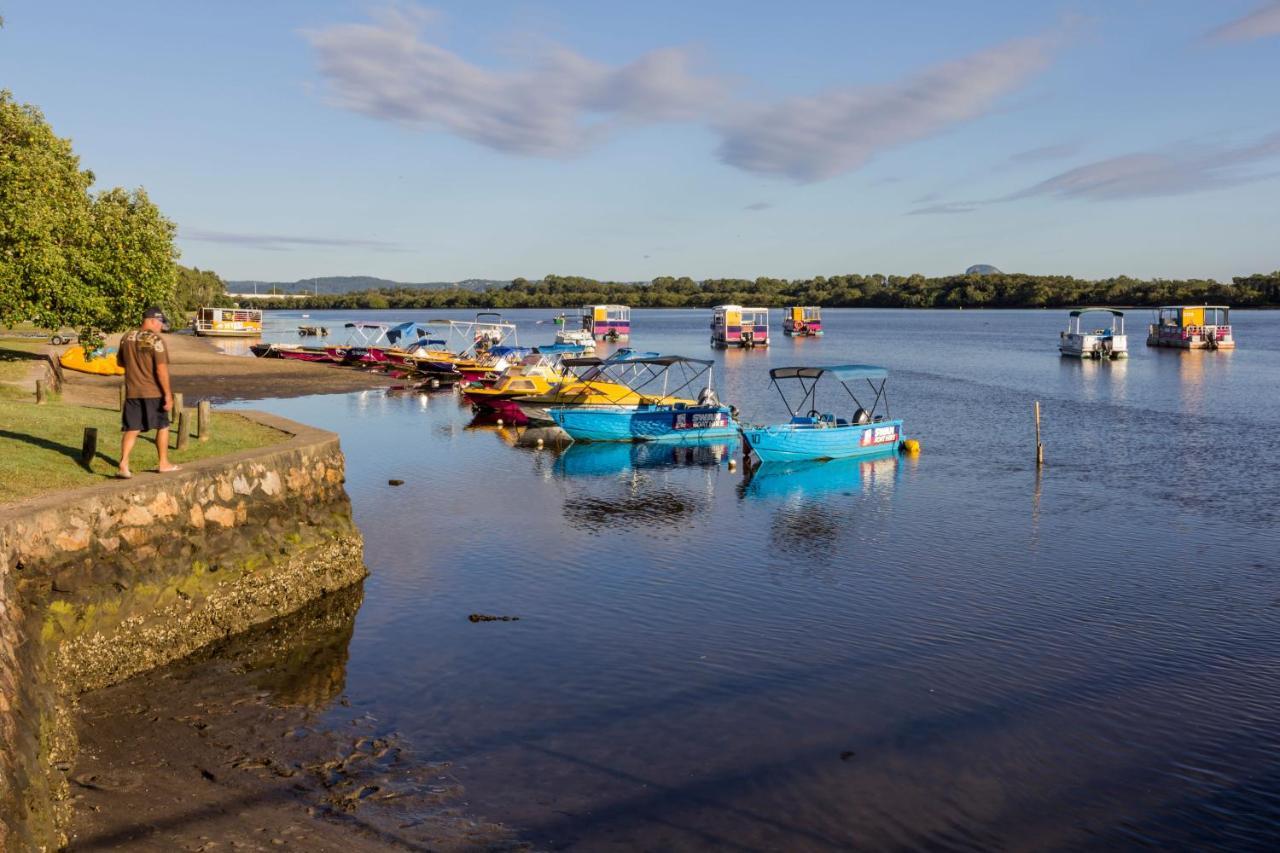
628,140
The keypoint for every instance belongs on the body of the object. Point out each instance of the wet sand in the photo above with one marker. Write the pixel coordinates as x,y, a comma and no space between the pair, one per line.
230,751
200,371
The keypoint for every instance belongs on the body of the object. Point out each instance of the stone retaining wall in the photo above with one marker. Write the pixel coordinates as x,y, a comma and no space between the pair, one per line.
101,583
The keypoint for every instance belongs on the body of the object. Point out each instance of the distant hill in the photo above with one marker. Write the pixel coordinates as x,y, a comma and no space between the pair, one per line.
354,283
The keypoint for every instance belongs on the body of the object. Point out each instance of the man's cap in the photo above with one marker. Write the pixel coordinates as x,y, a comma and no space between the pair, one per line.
153,311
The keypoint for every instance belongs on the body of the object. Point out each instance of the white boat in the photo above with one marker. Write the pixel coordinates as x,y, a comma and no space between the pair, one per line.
1108,342
577,337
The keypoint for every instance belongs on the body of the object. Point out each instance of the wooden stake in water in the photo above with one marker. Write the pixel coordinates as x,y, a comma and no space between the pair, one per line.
89,447
40,392
203,417
1039,446
184,430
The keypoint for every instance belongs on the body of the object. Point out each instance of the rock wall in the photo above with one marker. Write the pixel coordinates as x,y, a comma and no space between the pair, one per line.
105,582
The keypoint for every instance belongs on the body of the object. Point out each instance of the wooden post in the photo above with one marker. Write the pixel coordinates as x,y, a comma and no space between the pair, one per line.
122,396
89,448
176,414
1039,446
203,417
40,392
184,430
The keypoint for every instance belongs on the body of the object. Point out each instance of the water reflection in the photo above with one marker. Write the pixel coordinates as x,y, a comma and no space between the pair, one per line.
608,458
812,479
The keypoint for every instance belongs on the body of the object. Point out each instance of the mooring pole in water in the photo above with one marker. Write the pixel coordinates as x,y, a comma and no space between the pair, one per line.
1039,446
39,391
89,447
184,430
203,416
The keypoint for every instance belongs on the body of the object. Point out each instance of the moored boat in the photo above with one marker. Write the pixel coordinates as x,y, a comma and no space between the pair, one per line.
664,419
1109,342
228,322
592,381
735,326
1192,327
816,434
803,321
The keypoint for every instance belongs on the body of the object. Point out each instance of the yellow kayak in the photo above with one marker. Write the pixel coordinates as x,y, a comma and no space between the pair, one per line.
101,361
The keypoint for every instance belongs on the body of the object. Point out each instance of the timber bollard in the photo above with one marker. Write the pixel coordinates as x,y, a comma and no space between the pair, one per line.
177,406
184,430
89,447
40,391
203,416
1039,446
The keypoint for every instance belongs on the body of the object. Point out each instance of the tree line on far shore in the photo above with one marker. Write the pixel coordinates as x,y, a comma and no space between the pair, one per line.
990,290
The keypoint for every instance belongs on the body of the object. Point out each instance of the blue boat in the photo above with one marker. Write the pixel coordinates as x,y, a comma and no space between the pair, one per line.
661,416
816,434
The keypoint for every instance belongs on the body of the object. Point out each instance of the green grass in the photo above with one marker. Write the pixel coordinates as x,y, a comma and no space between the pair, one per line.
40,446
16,361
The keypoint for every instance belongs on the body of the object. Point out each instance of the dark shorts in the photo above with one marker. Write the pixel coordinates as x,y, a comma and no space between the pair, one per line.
143,414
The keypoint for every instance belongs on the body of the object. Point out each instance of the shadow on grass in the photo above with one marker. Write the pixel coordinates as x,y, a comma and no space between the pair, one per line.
67,450
7,354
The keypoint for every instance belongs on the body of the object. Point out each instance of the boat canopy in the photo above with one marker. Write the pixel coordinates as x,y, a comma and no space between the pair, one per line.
407,332
843,372
1112,311
560,349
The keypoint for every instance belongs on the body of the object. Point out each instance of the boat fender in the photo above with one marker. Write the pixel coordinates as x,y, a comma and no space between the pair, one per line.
910,446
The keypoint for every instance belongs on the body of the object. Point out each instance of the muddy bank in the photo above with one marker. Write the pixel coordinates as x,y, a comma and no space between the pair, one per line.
202,371
234,749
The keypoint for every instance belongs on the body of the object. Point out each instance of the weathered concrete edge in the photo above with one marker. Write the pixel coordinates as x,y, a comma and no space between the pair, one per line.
240,600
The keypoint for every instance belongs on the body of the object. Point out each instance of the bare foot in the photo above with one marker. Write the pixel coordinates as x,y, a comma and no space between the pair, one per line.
167,468
124,474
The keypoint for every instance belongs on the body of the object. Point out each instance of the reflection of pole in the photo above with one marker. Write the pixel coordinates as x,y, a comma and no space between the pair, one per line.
1039,446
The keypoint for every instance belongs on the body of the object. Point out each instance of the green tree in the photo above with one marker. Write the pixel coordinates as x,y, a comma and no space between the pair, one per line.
69,258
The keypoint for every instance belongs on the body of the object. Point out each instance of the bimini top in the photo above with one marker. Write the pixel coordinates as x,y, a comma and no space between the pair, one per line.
1079,311
843,372
622,355
639,358
1168,307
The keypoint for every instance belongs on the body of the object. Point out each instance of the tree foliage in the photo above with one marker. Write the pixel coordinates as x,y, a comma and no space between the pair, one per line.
999,290
196,288
69,257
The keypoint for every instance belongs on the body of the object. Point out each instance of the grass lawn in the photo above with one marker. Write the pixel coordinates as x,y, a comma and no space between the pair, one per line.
16,361
40,445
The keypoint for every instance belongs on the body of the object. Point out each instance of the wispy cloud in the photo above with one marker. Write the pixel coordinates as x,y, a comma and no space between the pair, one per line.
563,102
1262,22
1172,171
1046,152
282,242
759,205
386,69
815,137
947,208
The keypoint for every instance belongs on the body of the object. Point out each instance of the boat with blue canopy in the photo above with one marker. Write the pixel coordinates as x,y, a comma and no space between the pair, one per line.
664,419
816,434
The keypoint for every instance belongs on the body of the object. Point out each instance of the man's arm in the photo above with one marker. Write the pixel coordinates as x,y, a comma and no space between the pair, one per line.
162,376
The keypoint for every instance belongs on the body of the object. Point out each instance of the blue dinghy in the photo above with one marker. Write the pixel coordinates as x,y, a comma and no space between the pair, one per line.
660,416
823,435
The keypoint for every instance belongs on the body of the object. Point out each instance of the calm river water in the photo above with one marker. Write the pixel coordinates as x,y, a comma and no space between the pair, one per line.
949,652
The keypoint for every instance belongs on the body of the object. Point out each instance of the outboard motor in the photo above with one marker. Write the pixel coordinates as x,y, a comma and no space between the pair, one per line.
861,416
707,397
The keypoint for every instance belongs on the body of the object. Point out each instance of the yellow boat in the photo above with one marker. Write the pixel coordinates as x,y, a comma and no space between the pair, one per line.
533,376
101,362
595,387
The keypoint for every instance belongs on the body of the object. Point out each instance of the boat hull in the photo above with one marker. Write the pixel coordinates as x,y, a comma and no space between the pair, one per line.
645,423
783,442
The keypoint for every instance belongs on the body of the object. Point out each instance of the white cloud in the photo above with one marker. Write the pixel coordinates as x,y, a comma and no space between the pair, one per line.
1173,171
387,70
815,137
1262,22
282,242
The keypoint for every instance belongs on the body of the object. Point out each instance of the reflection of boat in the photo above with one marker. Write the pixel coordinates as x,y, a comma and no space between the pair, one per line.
1109,343
812,477
1192,327
803,321
660,420
606,458
822,435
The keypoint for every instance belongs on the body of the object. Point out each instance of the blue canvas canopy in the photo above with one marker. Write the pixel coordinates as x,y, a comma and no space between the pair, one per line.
843,372
407,331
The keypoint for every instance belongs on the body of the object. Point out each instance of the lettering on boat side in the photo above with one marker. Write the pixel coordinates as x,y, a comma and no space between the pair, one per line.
878,435
701,420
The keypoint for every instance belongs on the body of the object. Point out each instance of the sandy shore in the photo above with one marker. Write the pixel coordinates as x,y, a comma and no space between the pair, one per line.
200,371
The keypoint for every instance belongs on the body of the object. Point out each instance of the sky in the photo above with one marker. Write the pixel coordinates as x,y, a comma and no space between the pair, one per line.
625,141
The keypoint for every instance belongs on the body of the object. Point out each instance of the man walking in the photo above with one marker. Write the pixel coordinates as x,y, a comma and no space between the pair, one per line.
147,396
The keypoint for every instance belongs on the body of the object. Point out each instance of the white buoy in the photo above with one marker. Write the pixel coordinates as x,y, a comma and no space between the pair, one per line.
539,444
499,421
